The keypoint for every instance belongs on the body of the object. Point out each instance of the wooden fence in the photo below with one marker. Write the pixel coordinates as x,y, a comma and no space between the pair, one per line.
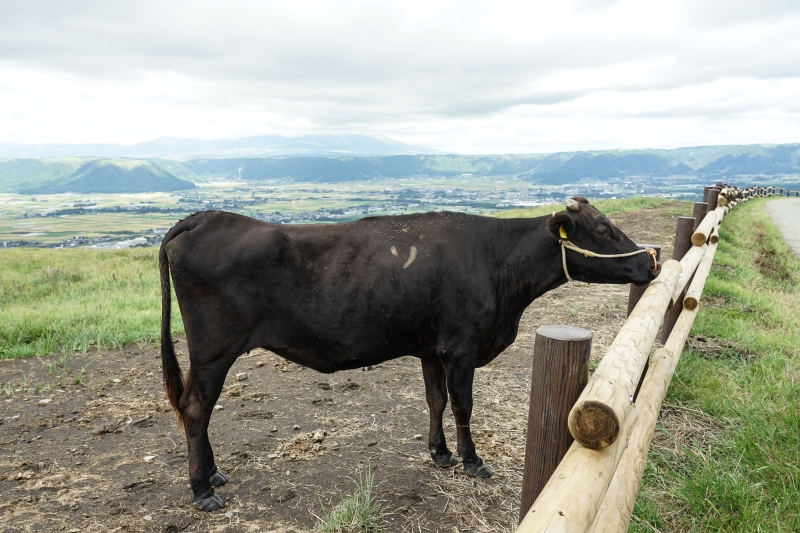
590,484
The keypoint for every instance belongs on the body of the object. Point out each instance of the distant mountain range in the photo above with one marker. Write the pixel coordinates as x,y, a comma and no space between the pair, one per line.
334,145
87,174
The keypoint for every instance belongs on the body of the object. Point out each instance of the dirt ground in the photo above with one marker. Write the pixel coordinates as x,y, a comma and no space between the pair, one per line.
88,442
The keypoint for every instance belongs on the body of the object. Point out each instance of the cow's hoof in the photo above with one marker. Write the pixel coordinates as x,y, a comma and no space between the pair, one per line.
208,502
481,471
217,479
445,460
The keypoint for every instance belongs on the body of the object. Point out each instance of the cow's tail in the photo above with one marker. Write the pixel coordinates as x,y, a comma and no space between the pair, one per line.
170,369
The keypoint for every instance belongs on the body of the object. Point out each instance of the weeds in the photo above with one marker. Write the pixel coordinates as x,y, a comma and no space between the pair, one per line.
359,513
78,379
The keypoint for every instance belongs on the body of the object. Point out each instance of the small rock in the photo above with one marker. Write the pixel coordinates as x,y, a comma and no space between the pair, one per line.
229,514
274,429
372,443
25,475
272,456
259,364
218,407
296,427
147,517
241,376
113,427
417,437
149,458
45,401
116,380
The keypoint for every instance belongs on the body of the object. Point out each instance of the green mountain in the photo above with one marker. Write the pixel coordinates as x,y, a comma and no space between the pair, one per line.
733,163
604,166
113,176
319,169
16,174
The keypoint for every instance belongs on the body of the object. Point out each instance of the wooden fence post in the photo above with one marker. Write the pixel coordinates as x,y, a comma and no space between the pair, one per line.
713,194
705,192
683,243
700,210
635,293
560,372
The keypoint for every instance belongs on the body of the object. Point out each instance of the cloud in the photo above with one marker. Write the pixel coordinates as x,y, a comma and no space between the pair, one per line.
418,71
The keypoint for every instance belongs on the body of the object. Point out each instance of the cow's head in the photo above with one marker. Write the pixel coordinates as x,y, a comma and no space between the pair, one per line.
586,227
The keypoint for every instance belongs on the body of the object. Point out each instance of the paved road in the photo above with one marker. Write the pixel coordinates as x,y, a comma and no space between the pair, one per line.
785,214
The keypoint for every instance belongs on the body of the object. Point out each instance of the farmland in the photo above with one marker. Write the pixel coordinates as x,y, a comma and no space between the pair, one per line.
115,220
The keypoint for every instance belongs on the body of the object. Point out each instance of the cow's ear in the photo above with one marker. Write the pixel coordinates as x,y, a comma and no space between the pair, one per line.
561,226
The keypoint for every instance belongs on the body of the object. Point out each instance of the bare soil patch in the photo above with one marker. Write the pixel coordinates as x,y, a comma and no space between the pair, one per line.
97,448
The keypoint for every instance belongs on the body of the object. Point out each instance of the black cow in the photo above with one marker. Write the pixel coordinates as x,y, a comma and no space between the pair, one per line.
448,288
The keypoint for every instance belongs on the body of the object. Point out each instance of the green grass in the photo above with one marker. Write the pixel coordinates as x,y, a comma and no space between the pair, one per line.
60,301
358,513
608,207
746,477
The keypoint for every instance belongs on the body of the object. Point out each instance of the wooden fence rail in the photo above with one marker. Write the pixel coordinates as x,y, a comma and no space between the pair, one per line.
593,488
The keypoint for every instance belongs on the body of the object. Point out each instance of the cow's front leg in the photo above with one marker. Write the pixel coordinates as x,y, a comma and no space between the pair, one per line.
436,396
460,373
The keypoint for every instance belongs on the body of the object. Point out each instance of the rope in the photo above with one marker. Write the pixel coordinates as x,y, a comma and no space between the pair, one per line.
565,244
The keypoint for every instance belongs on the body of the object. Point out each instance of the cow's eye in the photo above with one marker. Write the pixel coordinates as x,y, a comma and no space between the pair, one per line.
601,230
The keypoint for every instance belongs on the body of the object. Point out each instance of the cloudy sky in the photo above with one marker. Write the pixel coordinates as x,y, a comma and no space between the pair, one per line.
469,77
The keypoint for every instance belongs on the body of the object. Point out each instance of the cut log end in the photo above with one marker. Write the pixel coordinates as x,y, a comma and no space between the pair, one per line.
690,303
699,239
594,425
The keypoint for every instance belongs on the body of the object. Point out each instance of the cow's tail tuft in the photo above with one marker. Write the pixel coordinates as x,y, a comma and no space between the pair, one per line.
170,369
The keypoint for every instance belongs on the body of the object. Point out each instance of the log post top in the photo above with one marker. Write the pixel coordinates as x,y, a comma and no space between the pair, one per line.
564,333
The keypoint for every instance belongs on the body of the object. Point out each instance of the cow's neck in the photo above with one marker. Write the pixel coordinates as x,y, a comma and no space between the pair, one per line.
531,260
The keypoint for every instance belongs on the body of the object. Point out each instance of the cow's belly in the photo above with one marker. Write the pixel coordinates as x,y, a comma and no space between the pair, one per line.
335,338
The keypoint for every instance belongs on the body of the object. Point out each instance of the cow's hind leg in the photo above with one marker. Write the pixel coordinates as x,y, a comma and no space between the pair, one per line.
197,405
215,477
436,395
460,373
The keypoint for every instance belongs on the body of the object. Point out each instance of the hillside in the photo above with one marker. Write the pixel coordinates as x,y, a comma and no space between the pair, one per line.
553,169
730,163
16,174
110,176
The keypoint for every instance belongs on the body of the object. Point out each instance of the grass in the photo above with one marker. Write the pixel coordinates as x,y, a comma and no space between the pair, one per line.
63,301
358,513
608,207
736,467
